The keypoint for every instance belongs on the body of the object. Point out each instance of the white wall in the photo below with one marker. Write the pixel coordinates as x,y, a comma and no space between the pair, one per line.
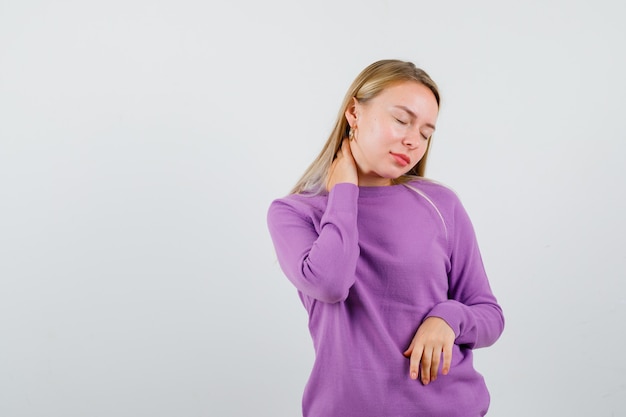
141,143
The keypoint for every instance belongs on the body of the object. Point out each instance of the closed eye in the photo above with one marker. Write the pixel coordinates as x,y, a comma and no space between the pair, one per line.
402,122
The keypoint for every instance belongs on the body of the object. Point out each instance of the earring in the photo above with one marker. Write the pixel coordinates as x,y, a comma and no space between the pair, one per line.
351,133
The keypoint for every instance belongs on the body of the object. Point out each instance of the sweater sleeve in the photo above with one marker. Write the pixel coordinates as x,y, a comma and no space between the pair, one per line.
471,309
319,261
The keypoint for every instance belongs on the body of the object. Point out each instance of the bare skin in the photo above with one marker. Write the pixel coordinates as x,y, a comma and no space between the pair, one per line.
434,337
343,168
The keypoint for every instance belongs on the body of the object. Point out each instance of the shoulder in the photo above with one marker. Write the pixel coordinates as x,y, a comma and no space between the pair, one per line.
436,191
444,199
306,205
302,200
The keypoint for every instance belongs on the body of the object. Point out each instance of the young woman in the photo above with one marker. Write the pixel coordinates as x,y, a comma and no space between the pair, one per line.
386,262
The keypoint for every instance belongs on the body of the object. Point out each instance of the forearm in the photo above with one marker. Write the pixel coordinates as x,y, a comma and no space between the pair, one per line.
478,325
320,261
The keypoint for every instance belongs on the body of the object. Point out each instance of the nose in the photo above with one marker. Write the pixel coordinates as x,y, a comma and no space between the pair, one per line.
413,139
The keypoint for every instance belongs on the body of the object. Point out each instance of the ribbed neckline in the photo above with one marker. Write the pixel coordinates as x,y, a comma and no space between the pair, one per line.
378,191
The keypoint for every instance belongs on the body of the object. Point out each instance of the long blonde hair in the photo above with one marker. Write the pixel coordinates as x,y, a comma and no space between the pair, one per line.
367,85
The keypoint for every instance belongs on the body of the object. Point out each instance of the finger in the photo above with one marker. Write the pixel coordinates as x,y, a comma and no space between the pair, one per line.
426,362
434,366
340,149
407,353
329,176
347,148
416,357
447,359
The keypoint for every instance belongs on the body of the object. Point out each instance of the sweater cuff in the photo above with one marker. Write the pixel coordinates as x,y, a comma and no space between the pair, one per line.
451,311
343,197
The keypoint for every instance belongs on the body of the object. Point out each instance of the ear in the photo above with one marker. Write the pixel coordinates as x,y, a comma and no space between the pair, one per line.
351,112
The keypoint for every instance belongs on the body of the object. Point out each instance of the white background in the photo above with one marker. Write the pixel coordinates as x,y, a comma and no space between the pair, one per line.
141,143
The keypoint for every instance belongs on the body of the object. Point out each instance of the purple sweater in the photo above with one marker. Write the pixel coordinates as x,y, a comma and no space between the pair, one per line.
370,264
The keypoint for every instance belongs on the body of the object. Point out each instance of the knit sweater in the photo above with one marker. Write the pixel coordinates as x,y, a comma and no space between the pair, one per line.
370,264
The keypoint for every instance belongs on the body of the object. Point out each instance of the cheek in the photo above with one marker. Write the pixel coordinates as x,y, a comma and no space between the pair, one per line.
380,129
393,132
379,137
419,153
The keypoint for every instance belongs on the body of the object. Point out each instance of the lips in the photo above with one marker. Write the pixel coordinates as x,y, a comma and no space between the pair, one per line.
401,158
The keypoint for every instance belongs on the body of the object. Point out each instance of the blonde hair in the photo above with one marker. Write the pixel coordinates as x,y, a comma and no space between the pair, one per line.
367,85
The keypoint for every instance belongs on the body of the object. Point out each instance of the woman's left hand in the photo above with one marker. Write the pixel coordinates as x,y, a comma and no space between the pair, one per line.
433,337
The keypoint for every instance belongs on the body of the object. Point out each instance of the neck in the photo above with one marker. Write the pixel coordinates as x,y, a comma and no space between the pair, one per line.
368,181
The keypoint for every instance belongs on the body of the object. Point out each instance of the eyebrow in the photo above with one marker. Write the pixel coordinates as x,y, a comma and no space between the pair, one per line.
409,111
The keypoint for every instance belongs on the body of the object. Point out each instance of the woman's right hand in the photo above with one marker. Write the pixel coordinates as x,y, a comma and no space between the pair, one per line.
343,168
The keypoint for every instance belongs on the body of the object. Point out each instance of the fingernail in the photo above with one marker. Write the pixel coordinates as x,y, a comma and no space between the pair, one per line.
413,375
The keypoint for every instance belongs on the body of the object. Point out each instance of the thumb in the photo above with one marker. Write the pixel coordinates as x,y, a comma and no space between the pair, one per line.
407,353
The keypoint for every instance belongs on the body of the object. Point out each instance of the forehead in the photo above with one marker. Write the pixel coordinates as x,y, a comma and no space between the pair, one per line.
408,96
408,92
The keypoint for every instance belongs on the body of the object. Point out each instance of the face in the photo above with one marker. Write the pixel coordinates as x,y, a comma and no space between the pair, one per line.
392,131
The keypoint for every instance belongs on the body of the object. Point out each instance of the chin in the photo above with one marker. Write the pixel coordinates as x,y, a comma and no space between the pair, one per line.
393,175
